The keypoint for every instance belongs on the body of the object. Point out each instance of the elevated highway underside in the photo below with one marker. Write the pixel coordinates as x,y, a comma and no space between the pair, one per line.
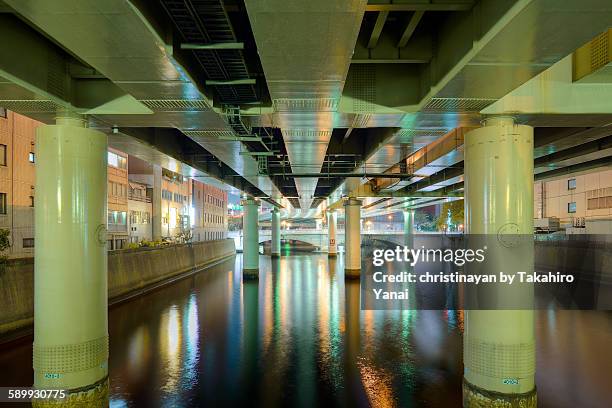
300,103
325,112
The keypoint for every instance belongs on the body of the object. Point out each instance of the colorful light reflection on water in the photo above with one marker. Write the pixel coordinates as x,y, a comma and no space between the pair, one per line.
297,337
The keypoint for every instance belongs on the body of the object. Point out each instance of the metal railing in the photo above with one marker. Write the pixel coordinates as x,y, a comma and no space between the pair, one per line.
144,199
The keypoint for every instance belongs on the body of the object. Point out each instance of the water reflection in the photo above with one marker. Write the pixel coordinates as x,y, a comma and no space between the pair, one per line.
297,337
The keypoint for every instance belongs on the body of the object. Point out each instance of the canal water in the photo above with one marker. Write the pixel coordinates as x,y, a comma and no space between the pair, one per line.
298,338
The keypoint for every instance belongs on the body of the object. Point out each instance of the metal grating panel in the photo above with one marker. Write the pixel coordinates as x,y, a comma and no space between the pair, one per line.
315,203
458,104
56,76
407,135
363,87
30,106
599,51
207,21
306,134
294,202
305,105
176,105
209,133
361,120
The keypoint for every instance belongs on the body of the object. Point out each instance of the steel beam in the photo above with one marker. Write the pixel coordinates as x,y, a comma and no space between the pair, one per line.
589,165
378,27
410,27
247,153
420,7
241,138
390,61
576,151
213,46
231,82
436,178
347,175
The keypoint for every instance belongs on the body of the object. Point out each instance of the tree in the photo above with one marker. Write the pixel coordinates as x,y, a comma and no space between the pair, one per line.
455,210
4,243
423,221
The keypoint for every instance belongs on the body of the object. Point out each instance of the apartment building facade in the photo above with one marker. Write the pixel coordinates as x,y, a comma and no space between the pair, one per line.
209,211
575,198
176,201
17,180
129,197
118,232
140,210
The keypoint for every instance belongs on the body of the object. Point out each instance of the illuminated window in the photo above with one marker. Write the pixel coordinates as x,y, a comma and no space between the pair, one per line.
116,160
31,157
571,184
2,155
173,216
571,207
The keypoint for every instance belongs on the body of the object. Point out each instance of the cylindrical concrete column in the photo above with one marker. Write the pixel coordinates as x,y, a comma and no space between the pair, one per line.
156,203
409,228
276,235
250,240
352,238
332,218
499,345
70,269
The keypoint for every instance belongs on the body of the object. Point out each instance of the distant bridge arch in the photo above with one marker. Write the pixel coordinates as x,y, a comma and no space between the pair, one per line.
319,238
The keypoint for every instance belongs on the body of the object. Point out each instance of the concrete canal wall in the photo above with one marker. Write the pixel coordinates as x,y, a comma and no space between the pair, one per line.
590,256
130,272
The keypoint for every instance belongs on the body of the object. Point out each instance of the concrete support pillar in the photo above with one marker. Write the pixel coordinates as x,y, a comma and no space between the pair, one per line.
352,238
276,234
250,239
499,345
156,203
70,269
409,228
332,218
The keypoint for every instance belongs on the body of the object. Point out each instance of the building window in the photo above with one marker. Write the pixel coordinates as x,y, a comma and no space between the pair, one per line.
117,221
2,203
31,201
3,113
2,155
571,184
116,160
31,157
28,243
571,207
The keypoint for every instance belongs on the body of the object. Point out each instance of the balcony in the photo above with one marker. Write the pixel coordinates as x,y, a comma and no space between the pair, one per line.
139,197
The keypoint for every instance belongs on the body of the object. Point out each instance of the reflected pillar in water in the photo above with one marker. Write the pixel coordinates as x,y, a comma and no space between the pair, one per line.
352,239
70,269
276,239
156,203
250,338
250,245
499,345
332,250
409,228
